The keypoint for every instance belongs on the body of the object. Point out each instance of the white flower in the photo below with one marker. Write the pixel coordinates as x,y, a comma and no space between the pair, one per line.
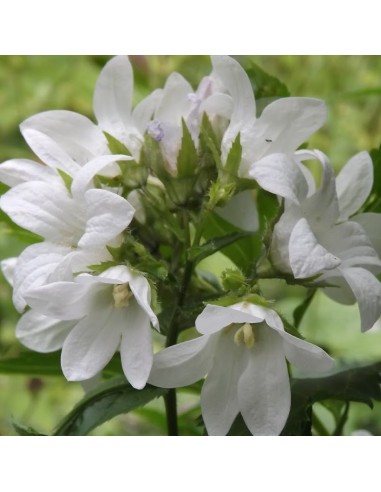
314,235
76,224
91,318
69,140
178,102
282,127
243,351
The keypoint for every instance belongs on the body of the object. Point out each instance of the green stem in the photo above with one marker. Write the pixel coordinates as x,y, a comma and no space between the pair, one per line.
319,426
171,412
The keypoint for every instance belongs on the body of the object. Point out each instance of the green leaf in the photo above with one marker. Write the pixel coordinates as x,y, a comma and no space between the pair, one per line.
244,251
373,203
35,364
209,143
264,84
66,178
198,253
187,160
359,384
300,310
110,399
23,430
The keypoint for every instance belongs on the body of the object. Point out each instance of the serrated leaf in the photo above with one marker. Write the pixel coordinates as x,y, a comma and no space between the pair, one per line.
187,159
110,399
233,160
209,142
115,146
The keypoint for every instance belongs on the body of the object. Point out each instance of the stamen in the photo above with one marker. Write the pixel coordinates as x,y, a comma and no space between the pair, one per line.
122,295
245,334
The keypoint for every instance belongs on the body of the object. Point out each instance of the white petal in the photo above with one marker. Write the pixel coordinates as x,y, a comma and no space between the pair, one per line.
17,171
237,83
290,121
367,290
45,210
371,223
218,105
214,318
143,111
7,267
241,211
340,291
136,349
108,215
307,256
349,242
305,355
49,151
62,300
281,238
219,402
42,334
90,345
279,174
264,390
75,134
113,96
354,183
142,292
34,268
84,177
183,364
175,101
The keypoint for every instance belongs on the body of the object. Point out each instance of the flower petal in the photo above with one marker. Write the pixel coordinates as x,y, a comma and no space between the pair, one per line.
108,215
219,402
304,355
290,121
175,101
34,268
49,151
7,267
143,111
17,171
84,177
279,174
183,364
354,183
371,223
91,345
136,349
62,300
75,134
307,256
45,210
42,334
214,318
367,290
264,394
142,292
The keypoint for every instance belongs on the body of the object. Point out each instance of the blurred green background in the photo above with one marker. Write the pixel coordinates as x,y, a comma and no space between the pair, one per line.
351,87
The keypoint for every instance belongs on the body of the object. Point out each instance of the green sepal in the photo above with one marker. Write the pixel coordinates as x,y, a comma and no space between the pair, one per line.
187,159
68,180
233,161
115,146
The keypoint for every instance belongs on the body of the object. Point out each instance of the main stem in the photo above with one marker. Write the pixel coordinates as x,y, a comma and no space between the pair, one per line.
170,398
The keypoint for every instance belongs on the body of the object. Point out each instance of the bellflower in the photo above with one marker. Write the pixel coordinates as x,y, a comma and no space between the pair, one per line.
318,233
91,318
76,224
243,351
282,127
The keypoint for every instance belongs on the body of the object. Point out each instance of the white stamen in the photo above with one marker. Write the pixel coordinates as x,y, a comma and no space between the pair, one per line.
122,295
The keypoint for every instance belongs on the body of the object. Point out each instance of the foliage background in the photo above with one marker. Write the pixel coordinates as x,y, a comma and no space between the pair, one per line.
351,87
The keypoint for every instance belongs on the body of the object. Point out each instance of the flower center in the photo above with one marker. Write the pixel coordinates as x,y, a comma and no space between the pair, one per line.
245,335
122,295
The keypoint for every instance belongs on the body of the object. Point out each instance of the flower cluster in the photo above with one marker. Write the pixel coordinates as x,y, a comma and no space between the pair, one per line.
123,211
